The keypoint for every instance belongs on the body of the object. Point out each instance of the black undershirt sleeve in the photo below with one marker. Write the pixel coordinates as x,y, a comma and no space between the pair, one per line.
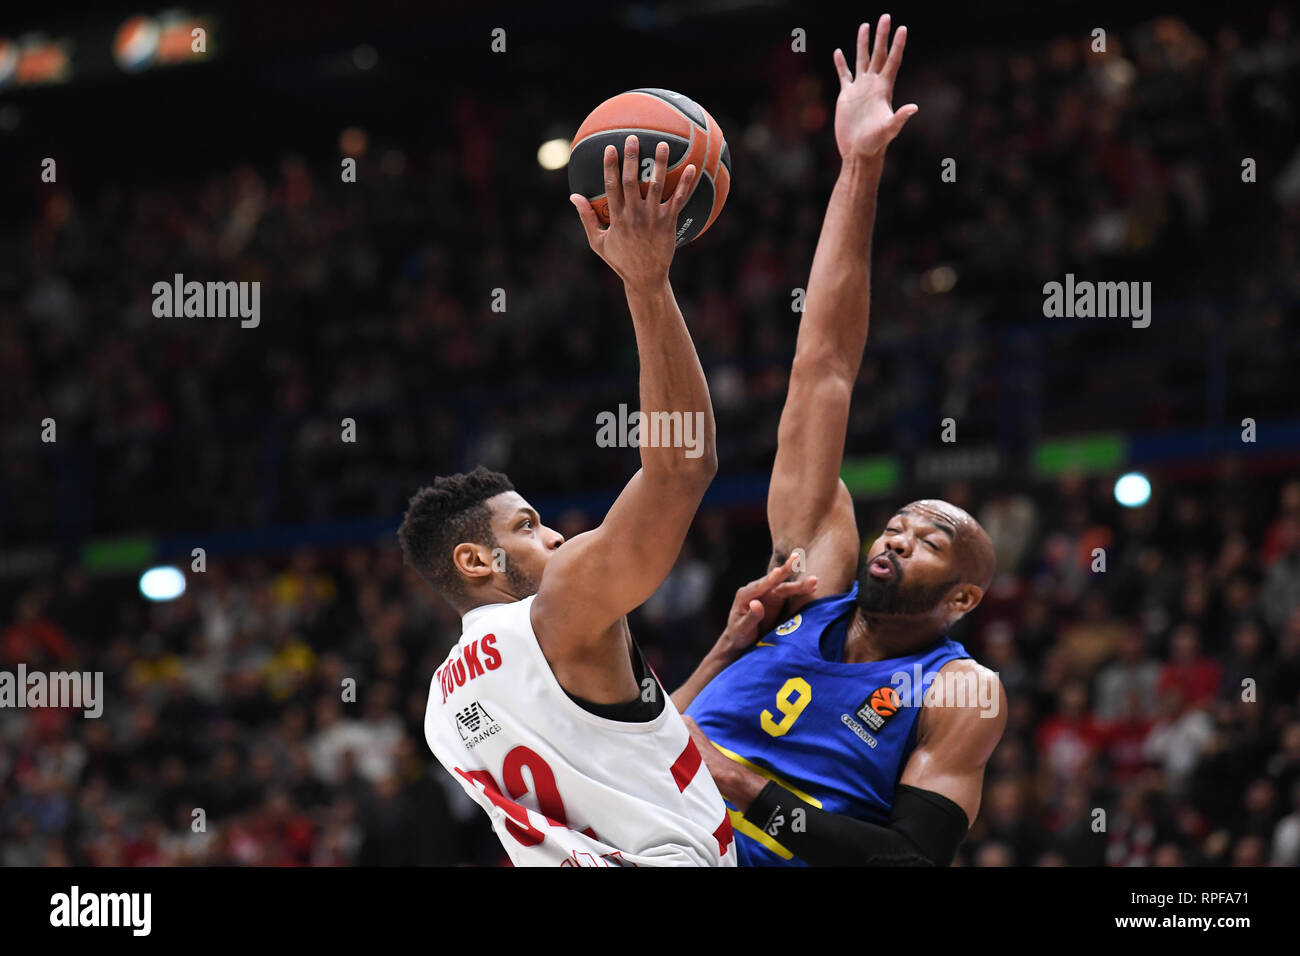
925,829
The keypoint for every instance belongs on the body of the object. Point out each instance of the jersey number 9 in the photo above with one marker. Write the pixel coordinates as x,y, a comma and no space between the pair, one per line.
791,699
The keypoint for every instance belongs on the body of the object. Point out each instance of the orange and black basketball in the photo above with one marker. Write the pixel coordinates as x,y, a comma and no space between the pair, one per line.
655,116
884,701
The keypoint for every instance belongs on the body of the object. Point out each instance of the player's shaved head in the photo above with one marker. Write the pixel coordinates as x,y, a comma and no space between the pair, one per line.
932,564
973,555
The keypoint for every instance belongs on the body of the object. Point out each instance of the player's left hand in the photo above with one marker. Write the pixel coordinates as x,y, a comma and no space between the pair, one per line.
758,603
865,120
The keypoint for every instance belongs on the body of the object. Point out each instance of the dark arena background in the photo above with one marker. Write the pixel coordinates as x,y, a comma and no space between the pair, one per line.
445,303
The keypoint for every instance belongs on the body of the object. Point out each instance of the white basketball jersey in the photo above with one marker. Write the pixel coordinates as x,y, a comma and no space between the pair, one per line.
563,786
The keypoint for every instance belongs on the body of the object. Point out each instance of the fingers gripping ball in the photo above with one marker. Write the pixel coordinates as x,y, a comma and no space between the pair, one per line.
655,116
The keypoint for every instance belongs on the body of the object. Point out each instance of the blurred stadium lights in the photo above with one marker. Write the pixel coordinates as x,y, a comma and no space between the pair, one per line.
169,39
8,61
365,57
135,43
554,153
1116,76
939,280
163,583
34,60
353,141
140,42
1133,490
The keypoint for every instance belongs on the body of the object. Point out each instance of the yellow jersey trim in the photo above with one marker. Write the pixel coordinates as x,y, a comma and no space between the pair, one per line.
738,821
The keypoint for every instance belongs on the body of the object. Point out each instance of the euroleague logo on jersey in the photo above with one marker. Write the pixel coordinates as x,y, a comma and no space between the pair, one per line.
879,707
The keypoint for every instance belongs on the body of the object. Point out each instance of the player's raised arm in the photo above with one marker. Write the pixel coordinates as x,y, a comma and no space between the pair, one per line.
597,577
808,506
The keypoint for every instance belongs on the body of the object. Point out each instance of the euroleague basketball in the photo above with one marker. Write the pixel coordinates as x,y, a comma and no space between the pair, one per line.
654,116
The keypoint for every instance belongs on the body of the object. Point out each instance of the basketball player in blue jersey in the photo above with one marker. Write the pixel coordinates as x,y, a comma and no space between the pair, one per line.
855,732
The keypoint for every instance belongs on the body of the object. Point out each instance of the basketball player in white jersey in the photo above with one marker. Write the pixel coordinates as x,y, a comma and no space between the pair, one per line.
545,711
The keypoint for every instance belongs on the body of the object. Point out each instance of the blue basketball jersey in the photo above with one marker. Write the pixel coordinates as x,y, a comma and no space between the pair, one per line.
837,735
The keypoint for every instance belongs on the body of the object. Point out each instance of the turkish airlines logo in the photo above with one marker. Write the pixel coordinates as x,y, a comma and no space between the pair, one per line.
879,707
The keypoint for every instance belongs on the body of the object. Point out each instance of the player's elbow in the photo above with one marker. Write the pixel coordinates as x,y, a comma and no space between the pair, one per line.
824,369
813,396
686,469
708,465
697,474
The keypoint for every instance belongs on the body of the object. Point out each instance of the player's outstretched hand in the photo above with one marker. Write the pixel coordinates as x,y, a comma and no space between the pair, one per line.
759,602
642,233
865,120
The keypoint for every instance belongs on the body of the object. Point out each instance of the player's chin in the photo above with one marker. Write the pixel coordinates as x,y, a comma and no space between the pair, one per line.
876,595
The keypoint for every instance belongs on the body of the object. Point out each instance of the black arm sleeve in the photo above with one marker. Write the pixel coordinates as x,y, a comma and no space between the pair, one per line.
925,829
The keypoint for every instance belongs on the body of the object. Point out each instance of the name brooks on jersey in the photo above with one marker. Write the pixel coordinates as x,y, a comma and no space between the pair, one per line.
561,783
460,670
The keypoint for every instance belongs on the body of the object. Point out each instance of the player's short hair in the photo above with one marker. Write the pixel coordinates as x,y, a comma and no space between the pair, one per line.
444,514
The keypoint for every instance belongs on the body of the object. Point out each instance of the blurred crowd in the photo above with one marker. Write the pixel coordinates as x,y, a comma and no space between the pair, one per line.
273,714
379,298
1154,707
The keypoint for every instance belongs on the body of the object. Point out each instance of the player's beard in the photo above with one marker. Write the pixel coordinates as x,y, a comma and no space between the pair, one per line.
521,583
889,596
